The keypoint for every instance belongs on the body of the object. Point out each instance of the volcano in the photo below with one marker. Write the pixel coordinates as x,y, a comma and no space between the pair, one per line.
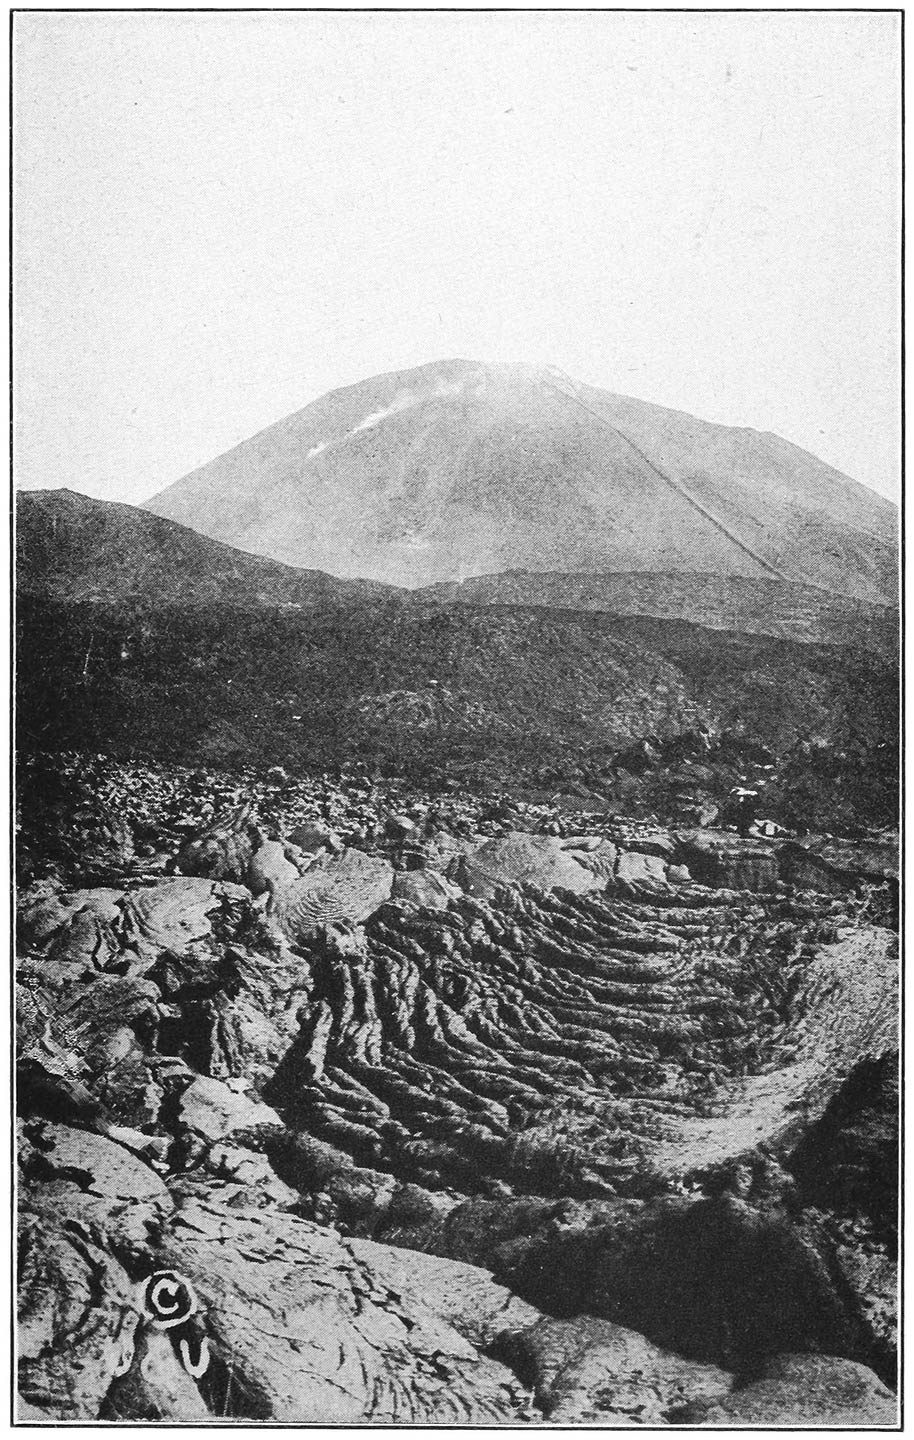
457,469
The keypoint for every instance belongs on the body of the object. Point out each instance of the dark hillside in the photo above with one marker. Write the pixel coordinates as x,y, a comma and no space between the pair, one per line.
719,602
73,547
503,695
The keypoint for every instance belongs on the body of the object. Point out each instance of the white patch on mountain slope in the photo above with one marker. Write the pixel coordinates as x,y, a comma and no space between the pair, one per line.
405,401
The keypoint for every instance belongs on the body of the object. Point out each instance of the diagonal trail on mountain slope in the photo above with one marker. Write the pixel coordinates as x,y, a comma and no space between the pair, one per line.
677,485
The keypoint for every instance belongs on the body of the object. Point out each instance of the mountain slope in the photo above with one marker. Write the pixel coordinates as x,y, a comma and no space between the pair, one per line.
729,602
459,468
72,547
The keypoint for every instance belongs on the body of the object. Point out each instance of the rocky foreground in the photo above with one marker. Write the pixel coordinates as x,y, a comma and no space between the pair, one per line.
418,1117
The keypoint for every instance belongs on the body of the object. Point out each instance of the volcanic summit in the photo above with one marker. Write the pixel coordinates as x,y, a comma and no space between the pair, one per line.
458,469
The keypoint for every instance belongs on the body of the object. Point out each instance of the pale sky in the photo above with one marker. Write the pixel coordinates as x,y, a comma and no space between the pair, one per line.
218,217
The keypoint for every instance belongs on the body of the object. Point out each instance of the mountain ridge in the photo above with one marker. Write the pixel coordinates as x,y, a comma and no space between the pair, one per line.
735,603
74,548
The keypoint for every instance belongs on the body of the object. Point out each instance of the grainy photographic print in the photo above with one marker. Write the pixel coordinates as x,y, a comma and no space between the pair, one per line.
457,717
